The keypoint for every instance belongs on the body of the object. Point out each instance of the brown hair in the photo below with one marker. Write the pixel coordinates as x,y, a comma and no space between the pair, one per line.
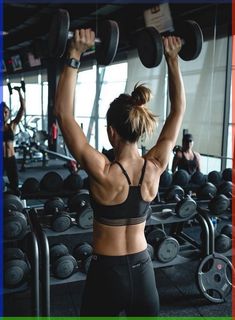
130,116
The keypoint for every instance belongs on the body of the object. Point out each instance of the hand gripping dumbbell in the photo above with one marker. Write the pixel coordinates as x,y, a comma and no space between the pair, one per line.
63,264
16,268
80,203
223,240
106,42
15,221
165,247
83,254
218,202
61,219
150,46
185,206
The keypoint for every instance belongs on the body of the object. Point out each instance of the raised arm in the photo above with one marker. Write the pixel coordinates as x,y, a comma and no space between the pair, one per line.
21,111
88,157
160,153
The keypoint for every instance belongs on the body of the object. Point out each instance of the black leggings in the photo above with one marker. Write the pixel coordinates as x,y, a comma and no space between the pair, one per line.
10,166
117,283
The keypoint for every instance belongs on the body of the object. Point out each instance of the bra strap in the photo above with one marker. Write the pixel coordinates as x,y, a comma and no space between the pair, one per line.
142,173
124,172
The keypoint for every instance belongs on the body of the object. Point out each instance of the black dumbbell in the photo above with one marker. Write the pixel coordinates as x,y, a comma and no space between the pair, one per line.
51,182
215,177
73,182
150,46
16,268
225,188
223,241
106,42
181,178
185,206
80,203
31,185
227,174
83,254
198,178
166,248
61,219
63,264
165,179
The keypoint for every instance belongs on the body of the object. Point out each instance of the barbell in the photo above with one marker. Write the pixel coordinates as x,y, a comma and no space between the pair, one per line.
106,43
150,46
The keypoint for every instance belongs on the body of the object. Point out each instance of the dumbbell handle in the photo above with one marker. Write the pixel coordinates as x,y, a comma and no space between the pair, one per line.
172,34
71,35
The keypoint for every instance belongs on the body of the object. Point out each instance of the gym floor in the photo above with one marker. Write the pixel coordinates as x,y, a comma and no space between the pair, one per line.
178,292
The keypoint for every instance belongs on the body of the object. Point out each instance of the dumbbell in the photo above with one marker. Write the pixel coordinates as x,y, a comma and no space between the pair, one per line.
80,203
31,185
51,182
15,221
63,264
165,247
73,182
16,268
61,219
106,42
198,178
150,46
185,206
215,177
218,202
181,178
10,88
83,254
165,179
223,241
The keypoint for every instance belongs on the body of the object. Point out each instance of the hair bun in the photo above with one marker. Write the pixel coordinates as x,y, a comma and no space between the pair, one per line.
140,95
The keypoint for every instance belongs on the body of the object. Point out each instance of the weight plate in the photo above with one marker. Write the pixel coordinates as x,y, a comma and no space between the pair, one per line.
191,33
61,223
85,218
58,34
214,277
150,47
186,207
218,204
181,178
12,203
64,267
76,202
108,33
167,249
173,192
155,235
222,243
15,225
15,272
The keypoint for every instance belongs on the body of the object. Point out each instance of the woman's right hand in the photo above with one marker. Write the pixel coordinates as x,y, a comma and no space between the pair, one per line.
82,40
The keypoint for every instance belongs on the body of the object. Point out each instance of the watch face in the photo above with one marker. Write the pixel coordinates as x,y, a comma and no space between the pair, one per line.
73,63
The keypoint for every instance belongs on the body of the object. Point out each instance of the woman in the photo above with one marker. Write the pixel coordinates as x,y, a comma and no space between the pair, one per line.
186,159
9,160
121,275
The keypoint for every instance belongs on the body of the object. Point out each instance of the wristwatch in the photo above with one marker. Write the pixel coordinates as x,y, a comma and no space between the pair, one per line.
73,63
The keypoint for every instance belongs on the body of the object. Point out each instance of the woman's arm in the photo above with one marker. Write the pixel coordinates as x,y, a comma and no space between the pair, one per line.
89,158
160,153
21,111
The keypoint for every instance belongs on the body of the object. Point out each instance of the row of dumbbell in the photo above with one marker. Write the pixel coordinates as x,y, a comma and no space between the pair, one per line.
183,178
17,267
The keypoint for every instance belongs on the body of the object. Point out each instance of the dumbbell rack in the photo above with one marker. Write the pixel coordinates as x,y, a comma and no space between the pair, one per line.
31,239
46,236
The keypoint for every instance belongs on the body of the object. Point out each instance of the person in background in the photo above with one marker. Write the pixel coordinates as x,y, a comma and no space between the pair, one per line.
121,275
185,158
9,129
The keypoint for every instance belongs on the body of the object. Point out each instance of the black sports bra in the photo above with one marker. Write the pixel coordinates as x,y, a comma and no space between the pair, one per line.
8,134
132,211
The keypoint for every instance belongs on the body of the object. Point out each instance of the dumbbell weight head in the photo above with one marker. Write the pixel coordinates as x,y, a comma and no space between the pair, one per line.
51,182
181,178
227,229
107,38
54,205
186,207
15,225
73,182
227,174
226,188
206,192
61,221
12,203
214,177
31,185
63,264
155,235
165,179
174,193
222,243
166,249
218,204
150,47
16,268
82,251
198,178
